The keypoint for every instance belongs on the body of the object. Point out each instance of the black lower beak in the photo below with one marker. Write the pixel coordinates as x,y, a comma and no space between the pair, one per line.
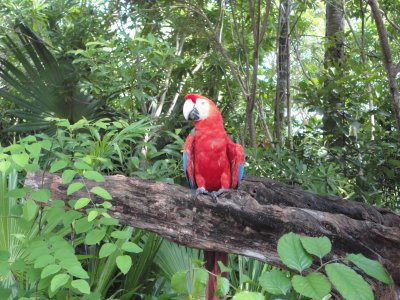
194,114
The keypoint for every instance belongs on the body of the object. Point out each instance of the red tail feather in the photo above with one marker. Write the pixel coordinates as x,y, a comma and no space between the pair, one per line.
211,259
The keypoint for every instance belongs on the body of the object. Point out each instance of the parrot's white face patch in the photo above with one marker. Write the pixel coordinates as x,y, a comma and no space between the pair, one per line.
202,106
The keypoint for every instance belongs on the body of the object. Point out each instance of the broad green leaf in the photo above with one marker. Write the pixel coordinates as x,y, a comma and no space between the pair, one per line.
119,234
41,195
178,282
101,192
131,247
275,282
81,285
93,175
108,221
248,296
292,252
4,269
95,236
17,193
372,267
4,255
124,263
82,225
44,260
67,176
58,281
50,270
107,249
57,165
223,268
80,165
222,286
34,149
81,203
76,186
92,215
349,284
314,285
20,159
4,166
318,246
200,281
29,210
75,269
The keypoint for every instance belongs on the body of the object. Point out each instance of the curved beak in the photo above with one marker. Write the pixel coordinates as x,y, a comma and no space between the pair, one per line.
194,114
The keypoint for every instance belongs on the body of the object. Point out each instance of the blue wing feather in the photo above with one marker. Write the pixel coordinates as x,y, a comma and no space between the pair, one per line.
241,172
185,158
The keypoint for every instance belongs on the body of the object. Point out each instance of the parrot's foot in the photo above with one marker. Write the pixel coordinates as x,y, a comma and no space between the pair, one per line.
215,195
201,191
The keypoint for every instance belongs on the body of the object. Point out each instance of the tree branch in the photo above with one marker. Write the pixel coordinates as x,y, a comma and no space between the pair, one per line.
249,221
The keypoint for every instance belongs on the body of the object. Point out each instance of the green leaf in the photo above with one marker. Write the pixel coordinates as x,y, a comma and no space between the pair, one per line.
34,149
275,282
92,215
76,186
119,234
318,246
93,175
314,285
43,261
124,263
101,192
4,166
29,210
292,252
371,267
107,249
41,195
131,247
4,255
80,165
58,281
95,236
81,285
82,202
50,270
223,268
248,296
76,270
57,165
20,159
178,282
67,176
222,286
349,284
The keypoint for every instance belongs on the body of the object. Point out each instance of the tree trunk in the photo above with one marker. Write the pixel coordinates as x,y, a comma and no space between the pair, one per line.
248,221
283,66
391,69
334,55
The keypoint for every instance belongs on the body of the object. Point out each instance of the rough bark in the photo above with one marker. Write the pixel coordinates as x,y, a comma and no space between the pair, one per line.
248,221
334,55
283,70
390,67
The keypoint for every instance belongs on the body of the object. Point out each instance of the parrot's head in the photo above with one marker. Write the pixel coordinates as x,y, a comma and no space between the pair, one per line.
199,108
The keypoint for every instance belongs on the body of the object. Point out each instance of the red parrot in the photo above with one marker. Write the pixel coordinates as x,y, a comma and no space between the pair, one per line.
212,163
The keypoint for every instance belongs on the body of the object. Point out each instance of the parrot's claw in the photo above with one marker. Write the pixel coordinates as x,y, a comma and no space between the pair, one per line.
215,195
201,191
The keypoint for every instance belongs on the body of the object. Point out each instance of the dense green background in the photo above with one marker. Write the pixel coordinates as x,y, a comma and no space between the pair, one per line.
125,66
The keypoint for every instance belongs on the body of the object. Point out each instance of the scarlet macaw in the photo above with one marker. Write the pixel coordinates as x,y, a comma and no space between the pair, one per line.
212,163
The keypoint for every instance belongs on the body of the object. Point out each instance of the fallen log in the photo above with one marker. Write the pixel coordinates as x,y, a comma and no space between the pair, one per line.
249,221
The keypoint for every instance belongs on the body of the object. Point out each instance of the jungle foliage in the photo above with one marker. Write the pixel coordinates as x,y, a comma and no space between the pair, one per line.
96,87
